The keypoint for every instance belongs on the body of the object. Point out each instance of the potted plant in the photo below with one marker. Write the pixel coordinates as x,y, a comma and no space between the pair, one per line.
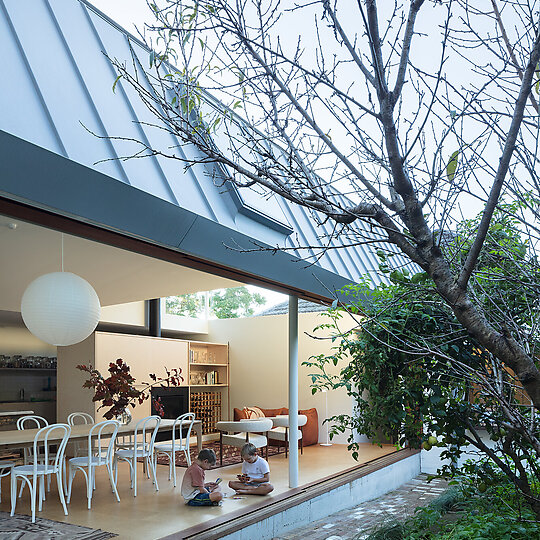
118,390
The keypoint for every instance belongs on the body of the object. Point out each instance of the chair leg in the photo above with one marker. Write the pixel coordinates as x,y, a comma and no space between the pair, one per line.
174,468
63,470
134,481
13,492
41,481
61,491
221,448
33,489
115,467
113,483
71,476
89,486
302,446
152,469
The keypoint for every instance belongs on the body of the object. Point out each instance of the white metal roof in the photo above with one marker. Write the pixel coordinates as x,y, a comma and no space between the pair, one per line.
57,78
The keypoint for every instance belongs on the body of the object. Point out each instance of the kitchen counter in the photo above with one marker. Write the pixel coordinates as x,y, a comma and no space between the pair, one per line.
45,408
30,401
15,413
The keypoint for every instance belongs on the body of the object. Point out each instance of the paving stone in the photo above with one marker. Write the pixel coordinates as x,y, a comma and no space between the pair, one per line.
355,522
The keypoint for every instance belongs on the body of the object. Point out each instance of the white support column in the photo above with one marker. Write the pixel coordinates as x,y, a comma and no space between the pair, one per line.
293,391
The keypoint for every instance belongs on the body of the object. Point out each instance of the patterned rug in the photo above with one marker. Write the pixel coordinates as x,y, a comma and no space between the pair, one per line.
231,455
20,527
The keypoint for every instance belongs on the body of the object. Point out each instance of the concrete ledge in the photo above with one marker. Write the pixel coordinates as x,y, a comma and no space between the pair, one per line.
298,507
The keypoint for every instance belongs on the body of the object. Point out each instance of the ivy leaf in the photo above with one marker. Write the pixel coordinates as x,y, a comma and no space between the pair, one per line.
452,166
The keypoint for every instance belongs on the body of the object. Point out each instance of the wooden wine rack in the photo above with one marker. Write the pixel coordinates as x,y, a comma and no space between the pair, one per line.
207,408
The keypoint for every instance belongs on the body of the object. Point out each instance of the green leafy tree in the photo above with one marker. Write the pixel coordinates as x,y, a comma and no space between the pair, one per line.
224,303
235,302
186,305
416,376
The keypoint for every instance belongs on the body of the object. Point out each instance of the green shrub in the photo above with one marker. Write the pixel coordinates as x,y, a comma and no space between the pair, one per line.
463,513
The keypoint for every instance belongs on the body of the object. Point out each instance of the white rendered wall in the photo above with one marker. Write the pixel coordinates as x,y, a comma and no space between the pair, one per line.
431,460
259,368
364,489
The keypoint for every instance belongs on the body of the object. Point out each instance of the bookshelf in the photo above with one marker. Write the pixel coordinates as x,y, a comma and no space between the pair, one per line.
208,381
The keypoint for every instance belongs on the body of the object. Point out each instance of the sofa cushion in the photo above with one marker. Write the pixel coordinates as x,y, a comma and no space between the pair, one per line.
253,413
274,412
310,431
239,414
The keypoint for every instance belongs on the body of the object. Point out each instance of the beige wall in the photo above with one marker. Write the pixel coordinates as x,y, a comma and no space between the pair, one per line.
143,354
17,340
132,313
259,364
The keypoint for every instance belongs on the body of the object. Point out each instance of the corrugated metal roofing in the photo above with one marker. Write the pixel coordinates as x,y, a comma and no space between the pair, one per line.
57,79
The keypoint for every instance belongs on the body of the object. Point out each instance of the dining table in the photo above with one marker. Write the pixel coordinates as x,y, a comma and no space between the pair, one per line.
14,438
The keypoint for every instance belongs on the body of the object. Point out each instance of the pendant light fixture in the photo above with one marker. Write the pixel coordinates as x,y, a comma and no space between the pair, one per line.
60,308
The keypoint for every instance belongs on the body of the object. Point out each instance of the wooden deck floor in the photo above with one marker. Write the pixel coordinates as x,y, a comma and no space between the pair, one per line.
153,515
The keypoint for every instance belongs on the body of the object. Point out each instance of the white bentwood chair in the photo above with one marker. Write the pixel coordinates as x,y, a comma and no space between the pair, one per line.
32,421
142,448
79,418
43,465
177,444
5,470
96,456
75,419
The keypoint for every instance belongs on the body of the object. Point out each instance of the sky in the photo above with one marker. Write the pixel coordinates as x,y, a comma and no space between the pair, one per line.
130,14
127,13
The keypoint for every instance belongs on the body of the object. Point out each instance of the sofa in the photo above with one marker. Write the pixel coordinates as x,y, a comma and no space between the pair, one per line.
310,432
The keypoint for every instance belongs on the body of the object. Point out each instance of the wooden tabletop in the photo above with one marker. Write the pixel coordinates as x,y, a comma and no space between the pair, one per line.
22,438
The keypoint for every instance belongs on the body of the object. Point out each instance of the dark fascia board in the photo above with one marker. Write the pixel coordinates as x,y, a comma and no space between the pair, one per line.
241,206
40,179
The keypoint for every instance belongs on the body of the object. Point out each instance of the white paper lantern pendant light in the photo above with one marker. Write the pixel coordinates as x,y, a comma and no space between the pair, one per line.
60,308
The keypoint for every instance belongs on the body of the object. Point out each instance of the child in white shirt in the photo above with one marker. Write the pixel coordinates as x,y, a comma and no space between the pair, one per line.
255,477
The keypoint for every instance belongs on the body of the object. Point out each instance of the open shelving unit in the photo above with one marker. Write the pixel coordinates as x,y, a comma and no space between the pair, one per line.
204,369
208,382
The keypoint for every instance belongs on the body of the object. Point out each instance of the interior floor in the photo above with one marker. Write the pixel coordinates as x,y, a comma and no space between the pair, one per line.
153,515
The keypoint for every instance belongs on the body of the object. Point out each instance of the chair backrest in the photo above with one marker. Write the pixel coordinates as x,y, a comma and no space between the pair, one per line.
261,425
108,429
79,418
31,421
178,443
147,426
41,442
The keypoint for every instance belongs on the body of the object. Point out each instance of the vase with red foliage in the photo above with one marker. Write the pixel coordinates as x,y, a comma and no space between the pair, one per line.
118,390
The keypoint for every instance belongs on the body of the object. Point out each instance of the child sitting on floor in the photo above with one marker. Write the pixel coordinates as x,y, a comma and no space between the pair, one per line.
255,477
194,490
